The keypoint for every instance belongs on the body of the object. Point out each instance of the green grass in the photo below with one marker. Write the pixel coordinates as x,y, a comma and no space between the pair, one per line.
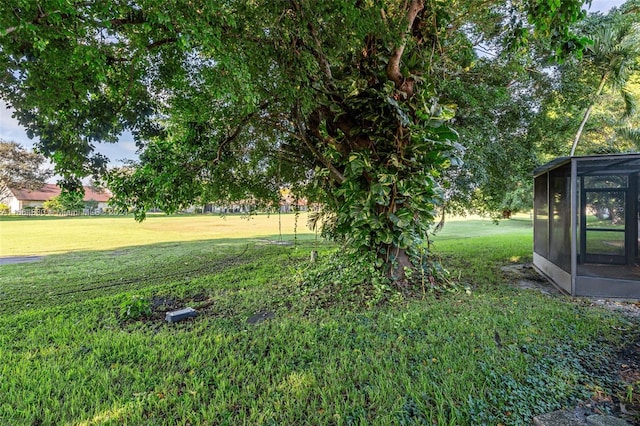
494,355
22,235
475,249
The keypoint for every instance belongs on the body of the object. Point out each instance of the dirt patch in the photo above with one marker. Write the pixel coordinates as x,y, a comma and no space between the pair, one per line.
275,242
621,397
626,307
525,277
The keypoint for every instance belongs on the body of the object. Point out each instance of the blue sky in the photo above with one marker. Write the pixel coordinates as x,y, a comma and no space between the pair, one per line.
126,149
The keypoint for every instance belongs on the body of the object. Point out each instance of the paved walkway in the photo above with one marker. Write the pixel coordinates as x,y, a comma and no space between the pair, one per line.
19,259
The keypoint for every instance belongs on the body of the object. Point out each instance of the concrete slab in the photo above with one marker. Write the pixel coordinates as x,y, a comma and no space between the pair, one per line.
559,418
599,420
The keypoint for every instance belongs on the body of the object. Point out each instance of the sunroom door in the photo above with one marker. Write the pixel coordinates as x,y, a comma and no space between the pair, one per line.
604,219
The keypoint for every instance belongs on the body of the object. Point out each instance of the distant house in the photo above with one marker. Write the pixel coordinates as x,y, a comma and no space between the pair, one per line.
19,199
289,203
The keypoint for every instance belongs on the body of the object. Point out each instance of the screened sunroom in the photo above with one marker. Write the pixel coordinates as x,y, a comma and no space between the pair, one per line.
585,224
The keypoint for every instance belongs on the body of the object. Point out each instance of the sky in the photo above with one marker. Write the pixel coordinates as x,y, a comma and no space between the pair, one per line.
125,149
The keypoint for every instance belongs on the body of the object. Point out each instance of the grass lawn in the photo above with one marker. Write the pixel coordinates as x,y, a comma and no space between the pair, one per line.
43,235
70,354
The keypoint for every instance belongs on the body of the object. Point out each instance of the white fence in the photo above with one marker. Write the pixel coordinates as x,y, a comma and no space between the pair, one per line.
43,212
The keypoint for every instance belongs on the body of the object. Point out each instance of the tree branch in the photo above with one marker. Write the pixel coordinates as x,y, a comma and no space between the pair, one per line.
317,48
393,67
161,42
230,138
41,15
303,137
134,17
587,113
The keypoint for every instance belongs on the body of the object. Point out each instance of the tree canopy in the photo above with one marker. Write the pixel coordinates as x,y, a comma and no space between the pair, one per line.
598,94
345,100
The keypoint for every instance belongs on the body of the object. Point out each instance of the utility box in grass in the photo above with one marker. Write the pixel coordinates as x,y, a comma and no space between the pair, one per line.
181,315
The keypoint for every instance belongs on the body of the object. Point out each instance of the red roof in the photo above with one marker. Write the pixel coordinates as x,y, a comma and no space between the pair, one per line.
49,191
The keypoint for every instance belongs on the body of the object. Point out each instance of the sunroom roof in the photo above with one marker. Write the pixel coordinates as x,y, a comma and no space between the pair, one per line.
597,164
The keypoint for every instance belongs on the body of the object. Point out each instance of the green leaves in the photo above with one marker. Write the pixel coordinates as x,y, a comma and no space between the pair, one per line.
381,193
134,308
552,20
358,163
399,112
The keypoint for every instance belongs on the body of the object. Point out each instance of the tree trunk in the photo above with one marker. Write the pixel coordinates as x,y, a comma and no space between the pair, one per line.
373,144
602,212
393,67
398,263
587,113
440,224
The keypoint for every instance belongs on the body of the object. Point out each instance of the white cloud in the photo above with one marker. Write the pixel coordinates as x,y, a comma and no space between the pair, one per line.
604,5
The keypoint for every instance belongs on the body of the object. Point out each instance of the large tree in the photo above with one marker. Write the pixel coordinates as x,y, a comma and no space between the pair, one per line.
229,100
20,168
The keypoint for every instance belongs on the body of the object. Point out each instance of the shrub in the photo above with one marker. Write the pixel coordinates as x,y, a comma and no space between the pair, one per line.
134,308
53,204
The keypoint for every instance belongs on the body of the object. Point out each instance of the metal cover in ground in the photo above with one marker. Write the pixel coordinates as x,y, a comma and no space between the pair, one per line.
180,315
260,317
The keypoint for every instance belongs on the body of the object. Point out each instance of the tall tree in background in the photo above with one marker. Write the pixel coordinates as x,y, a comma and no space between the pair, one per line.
615,56
230,100
521,115
20,169
497,94
496,102
570,93
515,113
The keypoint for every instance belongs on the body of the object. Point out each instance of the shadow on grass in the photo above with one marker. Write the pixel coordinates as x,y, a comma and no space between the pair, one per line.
60,279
